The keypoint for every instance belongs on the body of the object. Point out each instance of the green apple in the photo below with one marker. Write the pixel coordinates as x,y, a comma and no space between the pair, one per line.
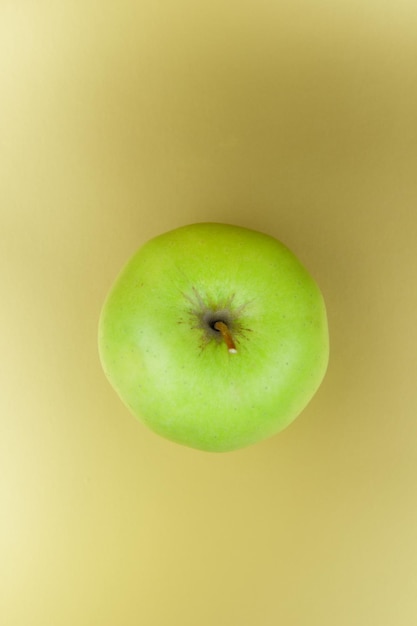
215,336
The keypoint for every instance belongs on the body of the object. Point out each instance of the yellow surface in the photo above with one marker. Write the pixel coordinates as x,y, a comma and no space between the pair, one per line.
119,121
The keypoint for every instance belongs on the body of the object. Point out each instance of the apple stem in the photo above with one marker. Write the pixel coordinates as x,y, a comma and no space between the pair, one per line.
225,332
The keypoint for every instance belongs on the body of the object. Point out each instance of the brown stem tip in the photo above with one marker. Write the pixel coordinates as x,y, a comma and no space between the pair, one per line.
225,332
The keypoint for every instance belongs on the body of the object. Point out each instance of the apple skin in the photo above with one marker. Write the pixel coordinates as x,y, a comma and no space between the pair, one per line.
173,370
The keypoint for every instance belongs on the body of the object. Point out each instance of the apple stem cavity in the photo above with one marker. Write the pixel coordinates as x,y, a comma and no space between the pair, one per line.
222,328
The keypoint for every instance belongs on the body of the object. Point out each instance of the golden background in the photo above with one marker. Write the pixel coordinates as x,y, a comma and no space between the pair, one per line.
120,121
